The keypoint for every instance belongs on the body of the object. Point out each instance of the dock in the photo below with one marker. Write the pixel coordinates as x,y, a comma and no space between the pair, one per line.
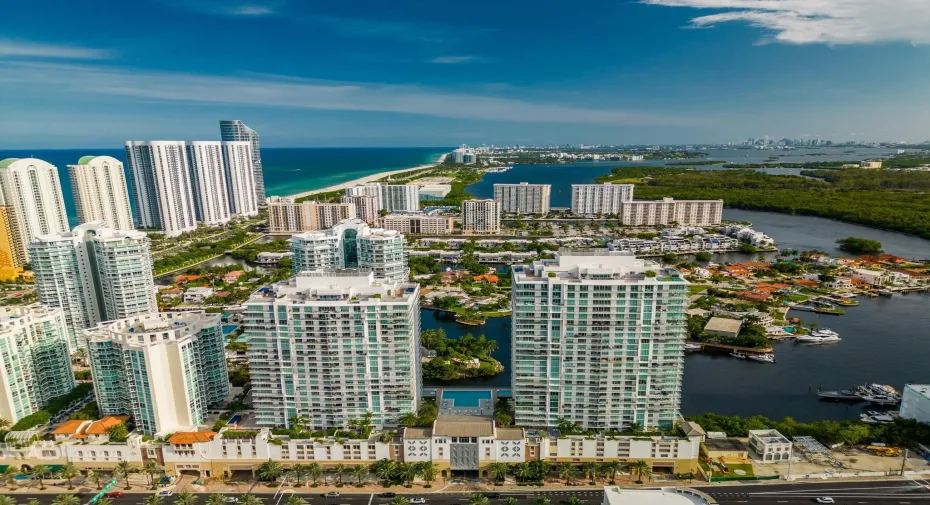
734,348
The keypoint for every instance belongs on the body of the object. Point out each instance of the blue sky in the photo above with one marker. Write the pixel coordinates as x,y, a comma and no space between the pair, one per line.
405,73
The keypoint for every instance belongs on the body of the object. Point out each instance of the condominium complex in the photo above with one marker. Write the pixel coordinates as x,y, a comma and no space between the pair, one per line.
31,190
98,184
161,179
597,340
523,198
94,274
163,369
600,199
178,184
34,362
352,244
417,224
481,216
235,131
393,197
331,346
617,199
12,252
366,206
286,215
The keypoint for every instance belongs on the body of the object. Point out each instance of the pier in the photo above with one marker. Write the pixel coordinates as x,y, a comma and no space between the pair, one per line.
734,348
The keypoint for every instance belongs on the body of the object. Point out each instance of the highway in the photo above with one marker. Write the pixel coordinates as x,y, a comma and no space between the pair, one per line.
900,492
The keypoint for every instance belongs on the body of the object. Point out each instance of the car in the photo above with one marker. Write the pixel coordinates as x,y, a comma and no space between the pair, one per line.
824,499
388,495
165,492
492,495
418,501
331,494
232,499
115,494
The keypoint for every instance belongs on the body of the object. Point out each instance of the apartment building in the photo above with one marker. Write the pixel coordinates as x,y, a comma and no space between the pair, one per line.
393,197
98,184
608,351
287,216
352,244
600,199
236,131
34,359
163,369
331,346
208,179
12,251
94,273
481,216
240,178
417,224
523,198
31,189
668,211
161,181
366,207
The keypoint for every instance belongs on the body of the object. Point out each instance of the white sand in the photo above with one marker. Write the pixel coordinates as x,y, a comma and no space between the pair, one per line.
367,179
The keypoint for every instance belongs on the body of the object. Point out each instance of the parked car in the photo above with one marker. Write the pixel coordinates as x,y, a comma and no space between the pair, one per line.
165,492
824,499
115,494
418,501
232,499
388,495
331,494
492,495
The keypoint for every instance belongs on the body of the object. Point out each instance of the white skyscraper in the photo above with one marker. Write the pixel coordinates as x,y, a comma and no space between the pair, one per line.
34,362
235,131
208,177
98,184
240,178
481,216
523,198
94,274
605,350
366,207
161,179
32,190
331,346
163,369
600,199
393,197
352,244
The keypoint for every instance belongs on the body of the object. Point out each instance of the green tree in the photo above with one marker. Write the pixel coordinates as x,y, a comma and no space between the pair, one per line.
478,499
360,472
409,420
338,471
315,472
118,433
124,468
591,471
399,500
641,469
270,471
611,469
542,500
427,472
154,499
299,471
66,499
9,476
216,499
69,472
568,472
296,500
498,471
151,469
858,245
510,500
185,499
574,500
383,469
96,478
38,474
6,500
522,471
249,499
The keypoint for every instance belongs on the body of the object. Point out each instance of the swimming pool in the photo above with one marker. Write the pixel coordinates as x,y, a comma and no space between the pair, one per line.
229,328
466,398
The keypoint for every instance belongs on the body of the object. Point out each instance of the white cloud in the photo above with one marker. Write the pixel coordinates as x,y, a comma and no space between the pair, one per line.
452,60
821,21
293,92
234,8
251,10
21,49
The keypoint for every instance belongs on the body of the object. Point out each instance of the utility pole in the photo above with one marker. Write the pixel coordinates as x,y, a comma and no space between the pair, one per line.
904,463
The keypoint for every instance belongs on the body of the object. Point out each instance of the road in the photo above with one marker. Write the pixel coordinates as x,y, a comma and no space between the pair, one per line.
901,492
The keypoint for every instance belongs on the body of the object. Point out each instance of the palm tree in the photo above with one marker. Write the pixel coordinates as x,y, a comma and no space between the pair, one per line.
567,472
315,471
125,468
95,477
511,501
9,476
38,473
503,418
360,472
216,499
399,500
498,471
478,499
69,472
338,471
296,500
249,499
383,469
102,501
270,471
299,471
183,499
542,500
66,499
611,468
6,500
4,423
409,419
153,499
35,501
299,424
522,471
406,472
635,428
150,470
574,500
590,470
427,471
640,468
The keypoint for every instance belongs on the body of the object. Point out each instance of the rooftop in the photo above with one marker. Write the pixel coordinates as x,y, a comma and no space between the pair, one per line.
921,389
85,160
664,496
191,437
7,162
769,436
723,324
463,426
339,286
725,444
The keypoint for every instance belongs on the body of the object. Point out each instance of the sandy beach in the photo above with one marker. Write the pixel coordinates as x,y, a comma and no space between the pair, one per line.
367,179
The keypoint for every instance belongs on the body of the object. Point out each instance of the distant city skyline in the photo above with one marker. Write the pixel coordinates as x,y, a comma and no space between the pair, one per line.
413,74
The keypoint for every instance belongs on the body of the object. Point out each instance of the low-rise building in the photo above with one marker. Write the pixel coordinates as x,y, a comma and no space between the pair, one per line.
272,258
197,294
873,277
286,215
417,224
723,327
870,164
770,445
724,448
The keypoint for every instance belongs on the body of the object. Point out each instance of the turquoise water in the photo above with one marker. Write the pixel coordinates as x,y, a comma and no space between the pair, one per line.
229,328
466,398
287,170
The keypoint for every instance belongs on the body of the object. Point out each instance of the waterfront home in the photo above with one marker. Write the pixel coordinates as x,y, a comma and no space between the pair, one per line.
197,294
754,296
806,283
754,266
231,277
170,294
735,271
184,279
871,277
723,327
839,283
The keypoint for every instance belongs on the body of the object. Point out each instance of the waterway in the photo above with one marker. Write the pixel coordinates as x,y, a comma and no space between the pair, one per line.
884,340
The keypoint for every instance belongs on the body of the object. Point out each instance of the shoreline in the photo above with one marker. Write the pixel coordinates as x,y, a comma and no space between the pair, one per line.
368,178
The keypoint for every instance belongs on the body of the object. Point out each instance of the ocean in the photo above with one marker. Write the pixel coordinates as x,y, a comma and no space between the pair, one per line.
287,170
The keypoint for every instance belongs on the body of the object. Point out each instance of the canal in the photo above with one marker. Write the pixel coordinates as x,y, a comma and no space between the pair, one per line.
885,340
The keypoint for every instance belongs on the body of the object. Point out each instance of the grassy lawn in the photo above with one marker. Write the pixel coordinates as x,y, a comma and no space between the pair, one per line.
798,298
746,468
694,289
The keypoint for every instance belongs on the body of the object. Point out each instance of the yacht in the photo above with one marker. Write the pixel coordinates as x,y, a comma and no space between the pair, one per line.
823,336
843,395
738,355
691,347
762,358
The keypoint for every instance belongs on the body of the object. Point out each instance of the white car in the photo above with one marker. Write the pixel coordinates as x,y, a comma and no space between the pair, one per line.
825,499
232,499
165,492
417,501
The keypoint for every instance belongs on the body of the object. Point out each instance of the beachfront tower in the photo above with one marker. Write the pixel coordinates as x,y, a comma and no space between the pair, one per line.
235,131
208,179
161,180
331,346
352,244
98,184
31,189
523,198
597,340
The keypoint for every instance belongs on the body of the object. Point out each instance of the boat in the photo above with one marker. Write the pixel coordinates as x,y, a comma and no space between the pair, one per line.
762,358
876,418
884,292
738,355
822,336
843,395
691,347
879,394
